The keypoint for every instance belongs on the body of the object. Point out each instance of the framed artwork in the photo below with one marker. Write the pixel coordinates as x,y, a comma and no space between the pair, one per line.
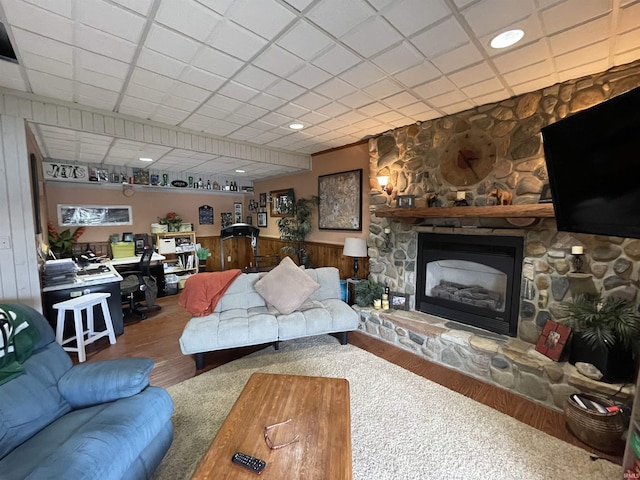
406,201
399,301
94,215
282,202
205,215
237,212
553,339
249,220
226,219
340,206
262,219
263,200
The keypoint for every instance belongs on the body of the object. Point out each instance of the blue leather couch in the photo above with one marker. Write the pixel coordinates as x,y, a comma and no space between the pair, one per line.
96,420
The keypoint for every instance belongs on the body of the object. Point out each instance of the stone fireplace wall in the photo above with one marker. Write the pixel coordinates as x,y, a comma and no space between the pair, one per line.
412,156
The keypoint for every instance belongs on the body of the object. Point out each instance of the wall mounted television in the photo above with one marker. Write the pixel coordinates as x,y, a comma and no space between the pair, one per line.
593,162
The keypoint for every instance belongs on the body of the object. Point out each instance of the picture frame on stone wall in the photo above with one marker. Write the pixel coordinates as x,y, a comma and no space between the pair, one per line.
406,201
553,339
399,301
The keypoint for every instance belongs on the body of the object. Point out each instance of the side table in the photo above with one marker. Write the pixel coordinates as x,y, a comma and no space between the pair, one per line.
351,283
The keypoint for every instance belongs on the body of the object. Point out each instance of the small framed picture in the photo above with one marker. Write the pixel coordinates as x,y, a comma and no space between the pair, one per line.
237,213
399,301
545,194
553,339
262,219
248,220
263,200
406,201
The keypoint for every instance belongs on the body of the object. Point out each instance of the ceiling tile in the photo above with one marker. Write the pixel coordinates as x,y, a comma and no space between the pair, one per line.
338,17
440,38
152,80
399,100
10,76
629,17
357,99
96,41
267,101
409,16
578,37
472,75
336,60
187,17
110,19
304,40
573,12
31,61
217,62
335,88
482,88
51,86
362,75
398,58
43,46
202,79
140,6
435,88
238,91
534,71
160,63
95,96
333,109
175,45
457,58
277,60
309,76
383,88
252,15
236,41
510,12
372,37
419,74
521,57
311,101
38,20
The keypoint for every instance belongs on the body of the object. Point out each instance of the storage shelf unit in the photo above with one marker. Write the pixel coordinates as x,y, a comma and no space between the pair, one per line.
179,248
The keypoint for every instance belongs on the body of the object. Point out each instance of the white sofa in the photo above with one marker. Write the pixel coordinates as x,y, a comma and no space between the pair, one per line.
243,317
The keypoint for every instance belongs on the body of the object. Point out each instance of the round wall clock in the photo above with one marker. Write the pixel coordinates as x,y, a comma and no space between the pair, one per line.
468,158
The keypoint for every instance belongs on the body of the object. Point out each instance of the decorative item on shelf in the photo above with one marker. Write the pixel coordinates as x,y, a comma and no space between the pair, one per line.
606,333
399,301
172,220
385,186
356,248
367,291
434,201
61,244
553,339
154,179
140,176
165,180
406,201
461,200
202,254
576,260
499,196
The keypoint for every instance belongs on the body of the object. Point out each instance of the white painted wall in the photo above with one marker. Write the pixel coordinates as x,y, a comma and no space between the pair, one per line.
19,274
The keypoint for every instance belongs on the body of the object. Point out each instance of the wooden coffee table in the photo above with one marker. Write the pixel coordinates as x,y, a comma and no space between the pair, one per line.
320,411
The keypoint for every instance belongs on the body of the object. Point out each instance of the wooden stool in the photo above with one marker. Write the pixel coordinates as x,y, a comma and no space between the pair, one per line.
84,302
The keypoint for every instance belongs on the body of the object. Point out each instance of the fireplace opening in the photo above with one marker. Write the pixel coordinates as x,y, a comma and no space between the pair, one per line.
472,279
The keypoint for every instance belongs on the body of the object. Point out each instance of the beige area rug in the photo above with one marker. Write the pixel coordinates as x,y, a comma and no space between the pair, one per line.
403,426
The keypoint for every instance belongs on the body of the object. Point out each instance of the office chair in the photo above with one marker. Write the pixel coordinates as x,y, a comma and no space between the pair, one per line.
140,280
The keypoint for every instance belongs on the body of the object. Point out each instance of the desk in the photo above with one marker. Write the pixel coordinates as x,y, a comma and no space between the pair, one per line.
102,283
132,263
119,262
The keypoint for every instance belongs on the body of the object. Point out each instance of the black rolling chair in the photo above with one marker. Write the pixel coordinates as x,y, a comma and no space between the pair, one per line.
140,280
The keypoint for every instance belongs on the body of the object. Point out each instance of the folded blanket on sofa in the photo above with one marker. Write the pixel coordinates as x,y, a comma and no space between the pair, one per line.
203,291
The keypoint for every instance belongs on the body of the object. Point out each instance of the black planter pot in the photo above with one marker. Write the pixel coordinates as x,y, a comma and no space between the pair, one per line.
616,363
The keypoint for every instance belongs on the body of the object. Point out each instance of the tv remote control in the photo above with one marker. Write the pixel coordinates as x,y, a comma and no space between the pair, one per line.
247,461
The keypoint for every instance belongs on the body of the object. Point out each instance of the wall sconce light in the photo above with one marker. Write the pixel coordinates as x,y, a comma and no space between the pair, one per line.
387,240
383,180
577,251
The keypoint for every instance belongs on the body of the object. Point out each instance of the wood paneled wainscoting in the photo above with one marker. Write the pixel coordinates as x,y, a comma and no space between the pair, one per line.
239,249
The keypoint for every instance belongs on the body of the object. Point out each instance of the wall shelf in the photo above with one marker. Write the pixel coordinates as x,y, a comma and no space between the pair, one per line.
535,210
147,188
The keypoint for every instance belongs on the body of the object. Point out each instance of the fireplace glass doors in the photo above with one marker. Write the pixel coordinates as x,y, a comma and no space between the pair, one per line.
472,279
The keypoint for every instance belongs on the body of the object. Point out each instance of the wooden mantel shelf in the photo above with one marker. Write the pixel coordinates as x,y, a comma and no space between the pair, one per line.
535,210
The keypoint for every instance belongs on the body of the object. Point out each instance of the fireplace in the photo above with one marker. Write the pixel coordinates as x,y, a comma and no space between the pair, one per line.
472,279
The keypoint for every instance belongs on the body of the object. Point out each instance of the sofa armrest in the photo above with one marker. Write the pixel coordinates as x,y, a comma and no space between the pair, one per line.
105,381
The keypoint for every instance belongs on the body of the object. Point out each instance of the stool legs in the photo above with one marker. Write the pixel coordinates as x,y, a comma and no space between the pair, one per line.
77,320
107,321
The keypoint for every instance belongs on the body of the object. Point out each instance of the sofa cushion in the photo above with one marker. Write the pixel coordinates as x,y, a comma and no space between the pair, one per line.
286,287
98,382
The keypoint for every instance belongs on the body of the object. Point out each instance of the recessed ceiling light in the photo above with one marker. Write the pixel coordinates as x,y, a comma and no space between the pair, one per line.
506,39
146,159
240,171
296,126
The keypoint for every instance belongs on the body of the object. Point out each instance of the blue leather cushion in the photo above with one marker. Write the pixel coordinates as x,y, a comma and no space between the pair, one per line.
32,401
92,383
96,442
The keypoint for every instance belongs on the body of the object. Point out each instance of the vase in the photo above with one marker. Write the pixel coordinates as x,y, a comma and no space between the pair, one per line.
615,363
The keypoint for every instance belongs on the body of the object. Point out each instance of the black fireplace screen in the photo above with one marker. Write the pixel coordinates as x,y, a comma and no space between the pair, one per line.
472,279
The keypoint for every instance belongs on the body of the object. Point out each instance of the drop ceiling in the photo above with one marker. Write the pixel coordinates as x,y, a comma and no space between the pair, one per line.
243,70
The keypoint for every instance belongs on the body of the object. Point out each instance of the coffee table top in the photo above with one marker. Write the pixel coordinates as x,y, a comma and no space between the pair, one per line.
319,409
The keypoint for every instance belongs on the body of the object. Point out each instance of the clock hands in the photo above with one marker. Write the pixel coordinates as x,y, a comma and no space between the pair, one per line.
467,156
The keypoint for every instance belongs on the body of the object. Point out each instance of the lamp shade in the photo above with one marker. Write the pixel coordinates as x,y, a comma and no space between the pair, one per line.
355,247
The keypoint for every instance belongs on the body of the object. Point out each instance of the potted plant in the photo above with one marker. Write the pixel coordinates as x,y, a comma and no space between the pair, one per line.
366,291
61,244
295,228
203,254
606,333
172,220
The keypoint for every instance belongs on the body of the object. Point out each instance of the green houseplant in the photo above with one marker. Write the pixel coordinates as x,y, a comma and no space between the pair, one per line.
61,243
295,228
606,333
366,291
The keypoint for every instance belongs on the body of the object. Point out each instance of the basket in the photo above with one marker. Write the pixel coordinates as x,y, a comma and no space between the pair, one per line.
602,431
123,249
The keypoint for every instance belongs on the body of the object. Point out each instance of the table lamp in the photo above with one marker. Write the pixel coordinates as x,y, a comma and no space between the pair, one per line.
356,248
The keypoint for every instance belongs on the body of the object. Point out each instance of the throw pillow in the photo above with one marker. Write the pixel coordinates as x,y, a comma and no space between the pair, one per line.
286,287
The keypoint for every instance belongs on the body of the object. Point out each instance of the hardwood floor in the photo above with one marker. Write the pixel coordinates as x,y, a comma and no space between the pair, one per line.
157,338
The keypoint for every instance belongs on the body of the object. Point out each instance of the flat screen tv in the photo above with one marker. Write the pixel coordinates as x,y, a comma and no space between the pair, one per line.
593,161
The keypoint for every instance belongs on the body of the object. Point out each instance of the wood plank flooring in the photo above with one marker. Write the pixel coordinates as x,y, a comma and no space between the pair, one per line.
157,338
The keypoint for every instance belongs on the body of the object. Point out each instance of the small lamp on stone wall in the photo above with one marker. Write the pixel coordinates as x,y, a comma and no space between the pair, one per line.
356,248
383,180
577,251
